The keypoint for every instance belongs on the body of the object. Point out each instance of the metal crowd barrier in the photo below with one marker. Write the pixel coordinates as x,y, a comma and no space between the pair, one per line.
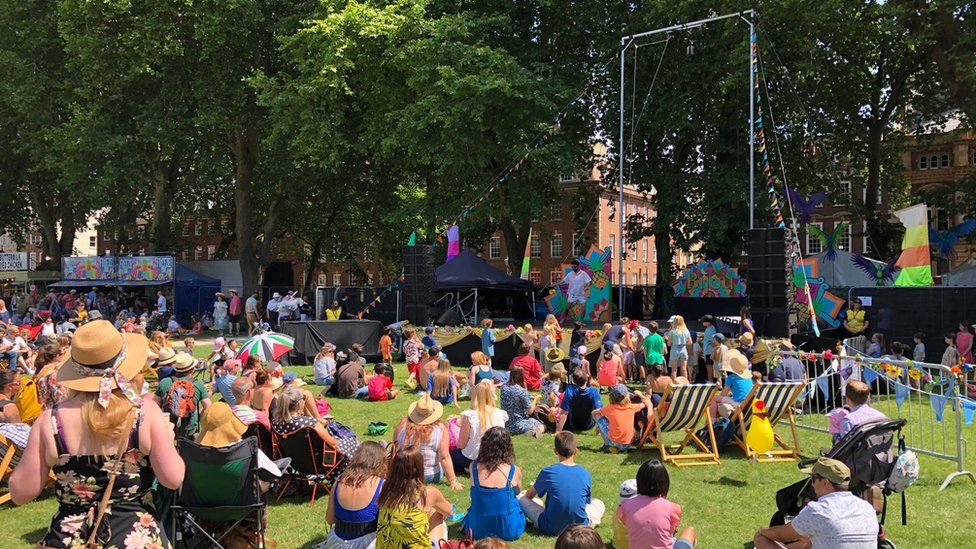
895,391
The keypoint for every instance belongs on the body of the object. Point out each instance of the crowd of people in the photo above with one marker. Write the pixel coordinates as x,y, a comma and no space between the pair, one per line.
105,390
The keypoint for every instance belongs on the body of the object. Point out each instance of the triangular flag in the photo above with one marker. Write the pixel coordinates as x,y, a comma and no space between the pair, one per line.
869,375
901,391
968,410
412,241
938,403
524,275
453,242
823,383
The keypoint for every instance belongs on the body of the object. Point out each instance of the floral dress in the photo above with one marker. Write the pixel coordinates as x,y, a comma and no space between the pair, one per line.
516,401
129,520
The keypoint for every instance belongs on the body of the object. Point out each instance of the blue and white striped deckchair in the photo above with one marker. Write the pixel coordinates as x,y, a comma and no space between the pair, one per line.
683,408
779,399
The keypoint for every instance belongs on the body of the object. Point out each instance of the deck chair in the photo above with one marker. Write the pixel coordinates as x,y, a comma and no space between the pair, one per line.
779,399
686,406
9,458
312,462
220,492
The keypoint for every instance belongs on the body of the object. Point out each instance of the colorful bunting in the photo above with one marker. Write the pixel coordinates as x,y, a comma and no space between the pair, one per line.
901,392
968,410
869,375
938,403
823,383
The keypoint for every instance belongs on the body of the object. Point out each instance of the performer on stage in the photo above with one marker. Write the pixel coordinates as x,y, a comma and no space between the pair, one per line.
578,282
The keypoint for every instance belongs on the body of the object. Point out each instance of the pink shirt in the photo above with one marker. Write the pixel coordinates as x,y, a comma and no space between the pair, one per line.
235,305
651,522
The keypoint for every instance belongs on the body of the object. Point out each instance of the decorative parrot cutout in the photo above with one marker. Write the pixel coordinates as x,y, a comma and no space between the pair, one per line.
945,241
760,436
830,241
882,274
805,207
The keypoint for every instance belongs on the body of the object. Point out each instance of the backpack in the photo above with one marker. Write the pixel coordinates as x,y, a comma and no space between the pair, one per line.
453,425
904,473
724,431
28,401
180,401
340,431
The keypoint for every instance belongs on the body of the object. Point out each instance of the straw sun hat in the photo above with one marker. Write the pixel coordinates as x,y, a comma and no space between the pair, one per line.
555,354
425,411
219,426
102,359
736,363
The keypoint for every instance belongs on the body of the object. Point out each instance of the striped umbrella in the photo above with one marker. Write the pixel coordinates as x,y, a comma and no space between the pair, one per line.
267,346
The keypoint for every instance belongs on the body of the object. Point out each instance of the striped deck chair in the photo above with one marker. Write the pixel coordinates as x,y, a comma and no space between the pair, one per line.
686,405
779,399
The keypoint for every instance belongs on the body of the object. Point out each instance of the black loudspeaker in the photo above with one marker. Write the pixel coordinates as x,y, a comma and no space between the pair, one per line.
450,317
419,278
768,275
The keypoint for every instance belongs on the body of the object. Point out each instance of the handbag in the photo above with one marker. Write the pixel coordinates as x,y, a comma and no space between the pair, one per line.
92,542
466,543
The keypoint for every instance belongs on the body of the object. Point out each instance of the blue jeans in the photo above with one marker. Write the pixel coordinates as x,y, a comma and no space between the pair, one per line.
603,426
361,392
12,357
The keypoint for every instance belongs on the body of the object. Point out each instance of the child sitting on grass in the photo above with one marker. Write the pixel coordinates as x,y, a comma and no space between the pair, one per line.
567,489
380,386
650,519
616,421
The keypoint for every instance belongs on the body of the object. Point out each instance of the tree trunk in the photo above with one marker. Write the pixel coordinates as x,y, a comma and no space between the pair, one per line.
48,223
243,145
313,260
161,224
515,240
66,212
663,291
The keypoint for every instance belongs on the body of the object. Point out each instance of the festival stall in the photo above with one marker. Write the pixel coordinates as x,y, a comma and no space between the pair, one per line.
470,286
194,292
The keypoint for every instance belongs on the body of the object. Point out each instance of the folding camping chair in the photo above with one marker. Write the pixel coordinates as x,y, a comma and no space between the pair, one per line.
684,406
311,461
220,488
264,437
779,399
10,458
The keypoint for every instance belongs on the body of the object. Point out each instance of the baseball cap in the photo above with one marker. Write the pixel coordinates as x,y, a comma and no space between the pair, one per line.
628,488
707,318
671,318
719,336
830,469
576,363
288,377
619,392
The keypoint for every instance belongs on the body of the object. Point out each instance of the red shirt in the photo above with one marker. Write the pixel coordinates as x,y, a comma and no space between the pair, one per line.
235,305
533,371
378,385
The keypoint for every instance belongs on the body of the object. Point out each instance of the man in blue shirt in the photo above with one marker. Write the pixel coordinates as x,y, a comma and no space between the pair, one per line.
488,339
579,401
224,381
566,487
708,321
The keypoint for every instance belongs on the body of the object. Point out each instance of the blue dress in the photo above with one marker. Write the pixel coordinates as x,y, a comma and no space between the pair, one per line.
494,512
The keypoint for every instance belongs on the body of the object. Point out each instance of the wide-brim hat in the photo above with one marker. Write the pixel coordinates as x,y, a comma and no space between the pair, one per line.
233,290
425,411
219,294
747,338
165,356
98,346
219,426
555,354
184,363
736,363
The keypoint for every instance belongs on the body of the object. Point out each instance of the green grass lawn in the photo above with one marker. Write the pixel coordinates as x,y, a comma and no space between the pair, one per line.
725,503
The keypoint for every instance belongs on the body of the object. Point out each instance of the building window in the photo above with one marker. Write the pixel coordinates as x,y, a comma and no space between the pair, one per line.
844,242
93,241
845,190
612,243
814,246
933,162
555,276
186,229
556,245
535,246
566,177
557,211
645,279
535,276
923,162
198,228
141,231
577,244
654,254
644,250
185,255
198,253
944,161
211,227
495,248
211,251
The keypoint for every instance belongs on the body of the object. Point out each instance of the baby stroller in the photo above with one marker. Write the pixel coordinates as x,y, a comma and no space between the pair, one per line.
867,450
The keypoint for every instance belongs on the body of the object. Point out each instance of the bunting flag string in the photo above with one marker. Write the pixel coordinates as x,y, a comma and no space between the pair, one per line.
938,403
968,410
901,393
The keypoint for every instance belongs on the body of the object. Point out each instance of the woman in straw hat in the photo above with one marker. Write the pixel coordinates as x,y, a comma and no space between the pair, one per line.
220,312
424,429
102,435
738,383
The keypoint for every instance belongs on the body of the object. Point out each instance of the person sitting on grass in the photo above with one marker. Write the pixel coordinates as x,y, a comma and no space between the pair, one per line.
482,416
411,513
531,367
579,402
480,370
380,386
442,385
324,366
567,489
243,389
579,537
224,379
495,480
353,506
628,490
616,421
263,392
650,519
837,518
520,405
423,428
351,379
611,370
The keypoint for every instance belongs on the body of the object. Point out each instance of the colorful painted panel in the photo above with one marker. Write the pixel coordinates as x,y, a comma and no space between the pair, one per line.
153,268
710,279
825,304
88,268
597,264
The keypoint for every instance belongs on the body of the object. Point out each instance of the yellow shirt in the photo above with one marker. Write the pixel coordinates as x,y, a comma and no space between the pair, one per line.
855,320
333,314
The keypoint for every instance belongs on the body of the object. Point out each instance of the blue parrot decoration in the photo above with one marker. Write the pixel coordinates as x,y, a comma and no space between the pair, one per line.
945,241
881,274
805,207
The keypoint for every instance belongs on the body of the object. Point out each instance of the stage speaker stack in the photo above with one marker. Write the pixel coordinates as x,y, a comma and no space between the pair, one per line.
768,271
418,283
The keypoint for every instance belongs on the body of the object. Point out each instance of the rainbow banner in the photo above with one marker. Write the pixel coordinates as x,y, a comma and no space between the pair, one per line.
915,262
146,268
88,268
526,256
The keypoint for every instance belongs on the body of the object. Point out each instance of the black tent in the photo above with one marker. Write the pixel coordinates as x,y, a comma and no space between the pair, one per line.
467,271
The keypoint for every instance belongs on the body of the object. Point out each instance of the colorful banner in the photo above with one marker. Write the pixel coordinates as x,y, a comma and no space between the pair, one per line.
148,268
16,261
88,268
597,264
453,242
915,262
710,279
526,257
811,295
